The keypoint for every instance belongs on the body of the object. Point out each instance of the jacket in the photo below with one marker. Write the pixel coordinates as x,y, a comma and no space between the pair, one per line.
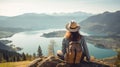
65,44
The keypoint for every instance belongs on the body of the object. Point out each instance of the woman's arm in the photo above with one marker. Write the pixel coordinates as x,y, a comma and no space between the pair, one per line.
85,49
64,46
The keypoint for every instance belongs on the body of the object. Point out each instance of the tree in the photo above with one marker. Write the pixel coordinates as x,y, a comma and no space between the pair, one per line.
7,56
51,50
118,55
1,58
28,57
39,51
23,56
34,55
117,63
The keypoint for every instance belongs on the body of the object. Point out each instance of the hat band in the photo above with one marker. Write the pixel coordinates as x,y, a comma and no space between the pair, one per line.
73,28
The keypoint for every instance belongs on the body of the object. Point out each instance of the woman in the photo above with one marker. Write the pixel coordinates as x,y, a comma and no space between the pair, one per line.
73,34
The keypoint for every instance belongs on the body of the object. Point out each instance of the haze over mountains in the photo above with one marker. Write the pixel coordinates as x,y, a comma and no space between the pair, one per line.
41,21
107,23
104,23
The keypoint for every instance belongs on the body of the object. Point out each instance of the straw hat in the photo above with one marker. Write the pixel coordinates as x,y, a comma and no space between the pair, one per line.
72,26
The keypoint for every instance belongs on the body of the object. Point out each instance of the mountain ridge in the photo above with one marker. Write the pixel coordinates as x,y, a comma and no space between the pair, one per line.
106,23
5,47
40,21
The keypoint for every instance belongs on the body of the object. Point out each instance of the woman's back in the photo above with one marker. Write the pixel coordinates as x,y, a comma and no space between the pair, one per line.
73,35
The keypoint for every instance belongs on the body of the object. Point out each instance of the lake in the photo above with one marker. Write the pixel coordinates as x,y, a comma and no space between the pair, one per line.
30,40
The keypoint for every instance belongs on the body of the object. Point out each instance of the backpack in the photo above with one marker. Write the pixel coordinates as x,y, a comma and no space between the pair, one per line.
73,52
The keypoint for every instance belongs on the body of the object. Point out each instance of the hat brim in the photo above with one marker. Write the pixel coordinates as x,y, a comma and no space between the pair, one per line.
72,30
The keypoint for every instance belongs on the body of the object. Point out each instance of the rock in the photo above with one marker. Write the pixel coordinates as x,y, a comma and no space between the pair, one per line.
34,63
53,61
92,58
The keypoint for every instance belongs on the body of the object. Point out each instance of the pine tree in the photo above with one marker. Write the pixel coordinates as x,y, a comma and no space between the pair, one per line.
34,55
2,58
117,63
39,51
23,56
118,55
28,57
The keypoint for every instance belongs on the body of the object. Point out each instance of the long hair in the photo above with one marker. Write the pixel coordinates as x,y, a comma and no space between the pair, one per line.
73,36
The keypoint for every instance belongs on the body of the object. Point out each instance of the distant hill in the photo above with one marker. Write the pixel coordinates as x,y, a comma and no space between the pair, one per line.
5,47
14,30
41,21
107,23
54,34
8,31
9,56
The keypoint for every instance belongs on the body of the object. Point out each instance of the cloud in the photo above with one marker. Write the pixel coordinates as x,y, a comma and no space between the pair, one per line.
15,7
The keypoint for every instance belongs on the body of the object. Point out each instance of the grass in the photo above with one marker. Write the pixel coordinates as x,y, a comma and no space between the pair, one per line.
6,65
15,64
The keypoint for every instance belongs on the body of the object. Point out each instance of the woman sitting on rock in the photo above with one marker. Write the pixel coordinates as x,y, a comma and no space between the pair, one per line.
74,47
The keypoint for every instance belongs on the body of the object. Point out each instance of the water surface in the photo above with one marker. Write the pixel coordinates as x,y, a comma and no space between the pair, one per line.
30,40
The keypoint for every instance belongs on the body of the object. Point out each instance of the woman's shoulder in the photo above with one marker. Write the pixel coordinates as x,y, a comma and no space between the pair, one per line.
65,38
82,36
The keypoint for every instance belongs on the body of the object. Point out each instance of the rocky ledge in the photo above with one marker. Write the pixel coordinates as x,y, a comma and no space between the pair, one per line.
53,61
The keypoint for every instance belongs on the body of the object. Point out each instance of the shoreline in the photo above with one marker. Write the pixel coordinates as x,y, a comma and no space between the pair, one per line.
22,31
108,42
6,34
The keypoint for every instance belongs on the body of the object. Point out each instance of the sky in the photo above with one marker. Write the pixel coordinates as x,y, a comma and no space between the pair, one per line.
17,7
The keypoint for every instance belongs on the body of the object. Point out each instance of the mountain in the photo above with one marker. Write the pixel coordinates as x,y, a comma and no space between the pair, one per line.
5,47
41,21
107,23
7,54
7,31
